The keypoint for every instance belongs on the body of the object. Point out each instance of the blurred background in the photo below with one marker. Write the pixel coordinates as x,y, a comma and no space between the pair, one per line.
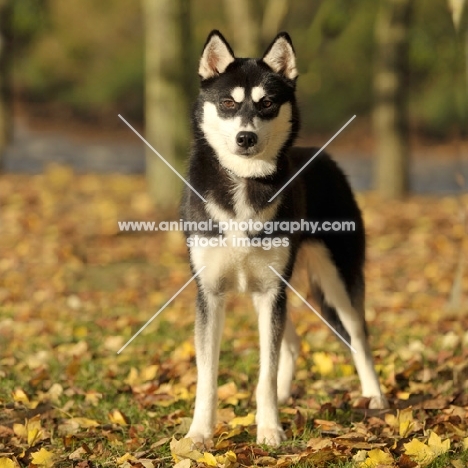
74,288
69,68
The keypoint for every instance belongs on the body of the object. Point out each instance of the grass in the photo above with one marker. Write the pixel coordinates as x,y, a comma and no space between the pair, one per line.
63,321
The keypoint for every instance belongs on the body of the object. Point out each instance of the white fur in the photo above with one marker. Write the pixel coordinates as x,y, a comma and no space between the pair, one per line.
238,268
269,428
257,93
281,59
215,58
238,94
207,344
323,272
221,135
290,347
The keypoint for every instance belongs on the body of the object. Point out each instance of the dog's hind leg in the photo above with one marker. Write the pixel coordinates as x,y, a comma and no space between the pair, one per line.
350,314
208,330
271,309
290,347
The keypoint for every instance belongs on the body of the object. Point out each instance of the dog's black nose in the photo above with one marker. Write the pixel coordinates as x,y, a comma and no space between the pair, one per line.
246,139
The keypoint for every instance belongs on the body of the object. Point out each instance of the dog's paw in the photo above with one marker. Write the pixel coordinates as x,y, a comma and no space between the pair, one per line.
378,402
200,440
283,396
272,436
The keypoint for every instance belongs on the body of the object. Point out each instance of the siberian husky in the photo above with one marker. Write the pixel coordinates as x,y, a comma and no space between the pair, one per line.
245,121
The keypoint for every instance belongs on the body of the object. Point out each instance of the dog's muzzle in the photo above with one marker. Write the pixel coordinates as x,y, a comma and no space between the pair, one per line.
246,140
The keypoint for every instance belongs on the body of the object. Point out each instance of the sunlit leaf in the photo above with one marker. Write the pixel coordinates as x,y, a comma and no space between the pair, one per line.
378,458
117,417
7,463
437,445
208,459
43,458
243,420
183,448
420,452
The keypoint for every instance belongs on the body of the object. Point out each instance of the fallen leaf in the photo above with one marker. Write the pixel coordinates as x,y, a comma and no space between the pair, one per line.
186,463
117,417
7,463
420,452
183,448
208,459
43,458
378,458
245,421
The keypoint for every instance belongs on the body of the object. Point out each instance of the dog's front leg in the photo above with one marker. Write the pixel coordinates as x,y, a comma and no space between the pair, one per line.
271,309
208,330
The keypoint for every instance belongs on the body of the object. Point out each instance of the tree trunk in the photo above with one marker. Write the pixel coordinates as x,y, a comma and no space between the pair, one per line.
244,30
5,82
273,17
167,123
390,87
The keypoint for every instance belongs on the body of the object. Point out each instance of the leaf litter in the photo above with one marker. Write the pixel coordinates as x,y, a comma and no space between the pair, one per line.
73,290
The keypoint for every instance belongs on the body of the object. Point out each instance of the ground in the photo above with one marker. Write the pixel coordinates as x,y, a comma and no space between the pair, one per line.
73,291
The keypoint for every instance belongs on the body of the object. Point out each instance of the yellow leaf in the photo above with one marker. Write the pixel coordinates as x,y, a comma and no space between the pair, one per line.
323,363
228,460
34,436
43,458
20,396
243,421
85,422
185,463
118,417
465,443
377,457
184,352
183,448
403,421
419,452
132,378
124,458
208,459
149,373
436,444
7,463
346,369
20,430
228,435
405,428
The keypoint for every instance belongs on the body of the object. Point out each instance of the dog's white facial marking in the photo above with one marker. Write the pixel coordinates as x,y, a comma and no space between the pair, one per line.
272,135
257,93
238,94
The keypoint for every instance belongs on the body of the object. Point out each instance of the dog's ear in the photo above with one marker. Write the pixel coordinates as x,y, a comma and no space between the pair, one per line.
280,56
216,56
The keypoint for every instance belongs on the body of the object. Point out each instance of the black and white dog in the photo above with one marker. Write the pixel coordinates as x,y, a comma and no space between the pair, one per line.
245,122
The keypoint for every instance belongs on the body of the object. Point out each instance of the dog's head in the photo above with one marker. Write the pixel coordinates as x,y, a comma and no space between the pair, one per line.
247,110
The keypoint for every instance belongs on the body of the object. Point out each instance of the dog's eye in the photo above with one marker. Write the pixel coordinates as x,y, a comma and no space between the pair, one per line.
228,104
266,103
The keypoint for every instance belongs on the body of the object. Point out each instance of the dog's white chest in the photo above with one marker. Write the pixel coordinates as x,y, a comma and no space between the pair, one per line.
236,264
235,261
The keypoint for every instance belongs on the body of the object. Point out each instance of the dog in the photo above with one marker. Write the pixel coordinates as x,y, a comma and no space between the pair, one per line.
245,121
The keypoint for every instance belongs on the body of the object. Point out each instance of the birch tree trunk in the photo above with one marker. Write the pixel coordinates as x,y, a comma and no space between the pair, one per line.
167,26
390,87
